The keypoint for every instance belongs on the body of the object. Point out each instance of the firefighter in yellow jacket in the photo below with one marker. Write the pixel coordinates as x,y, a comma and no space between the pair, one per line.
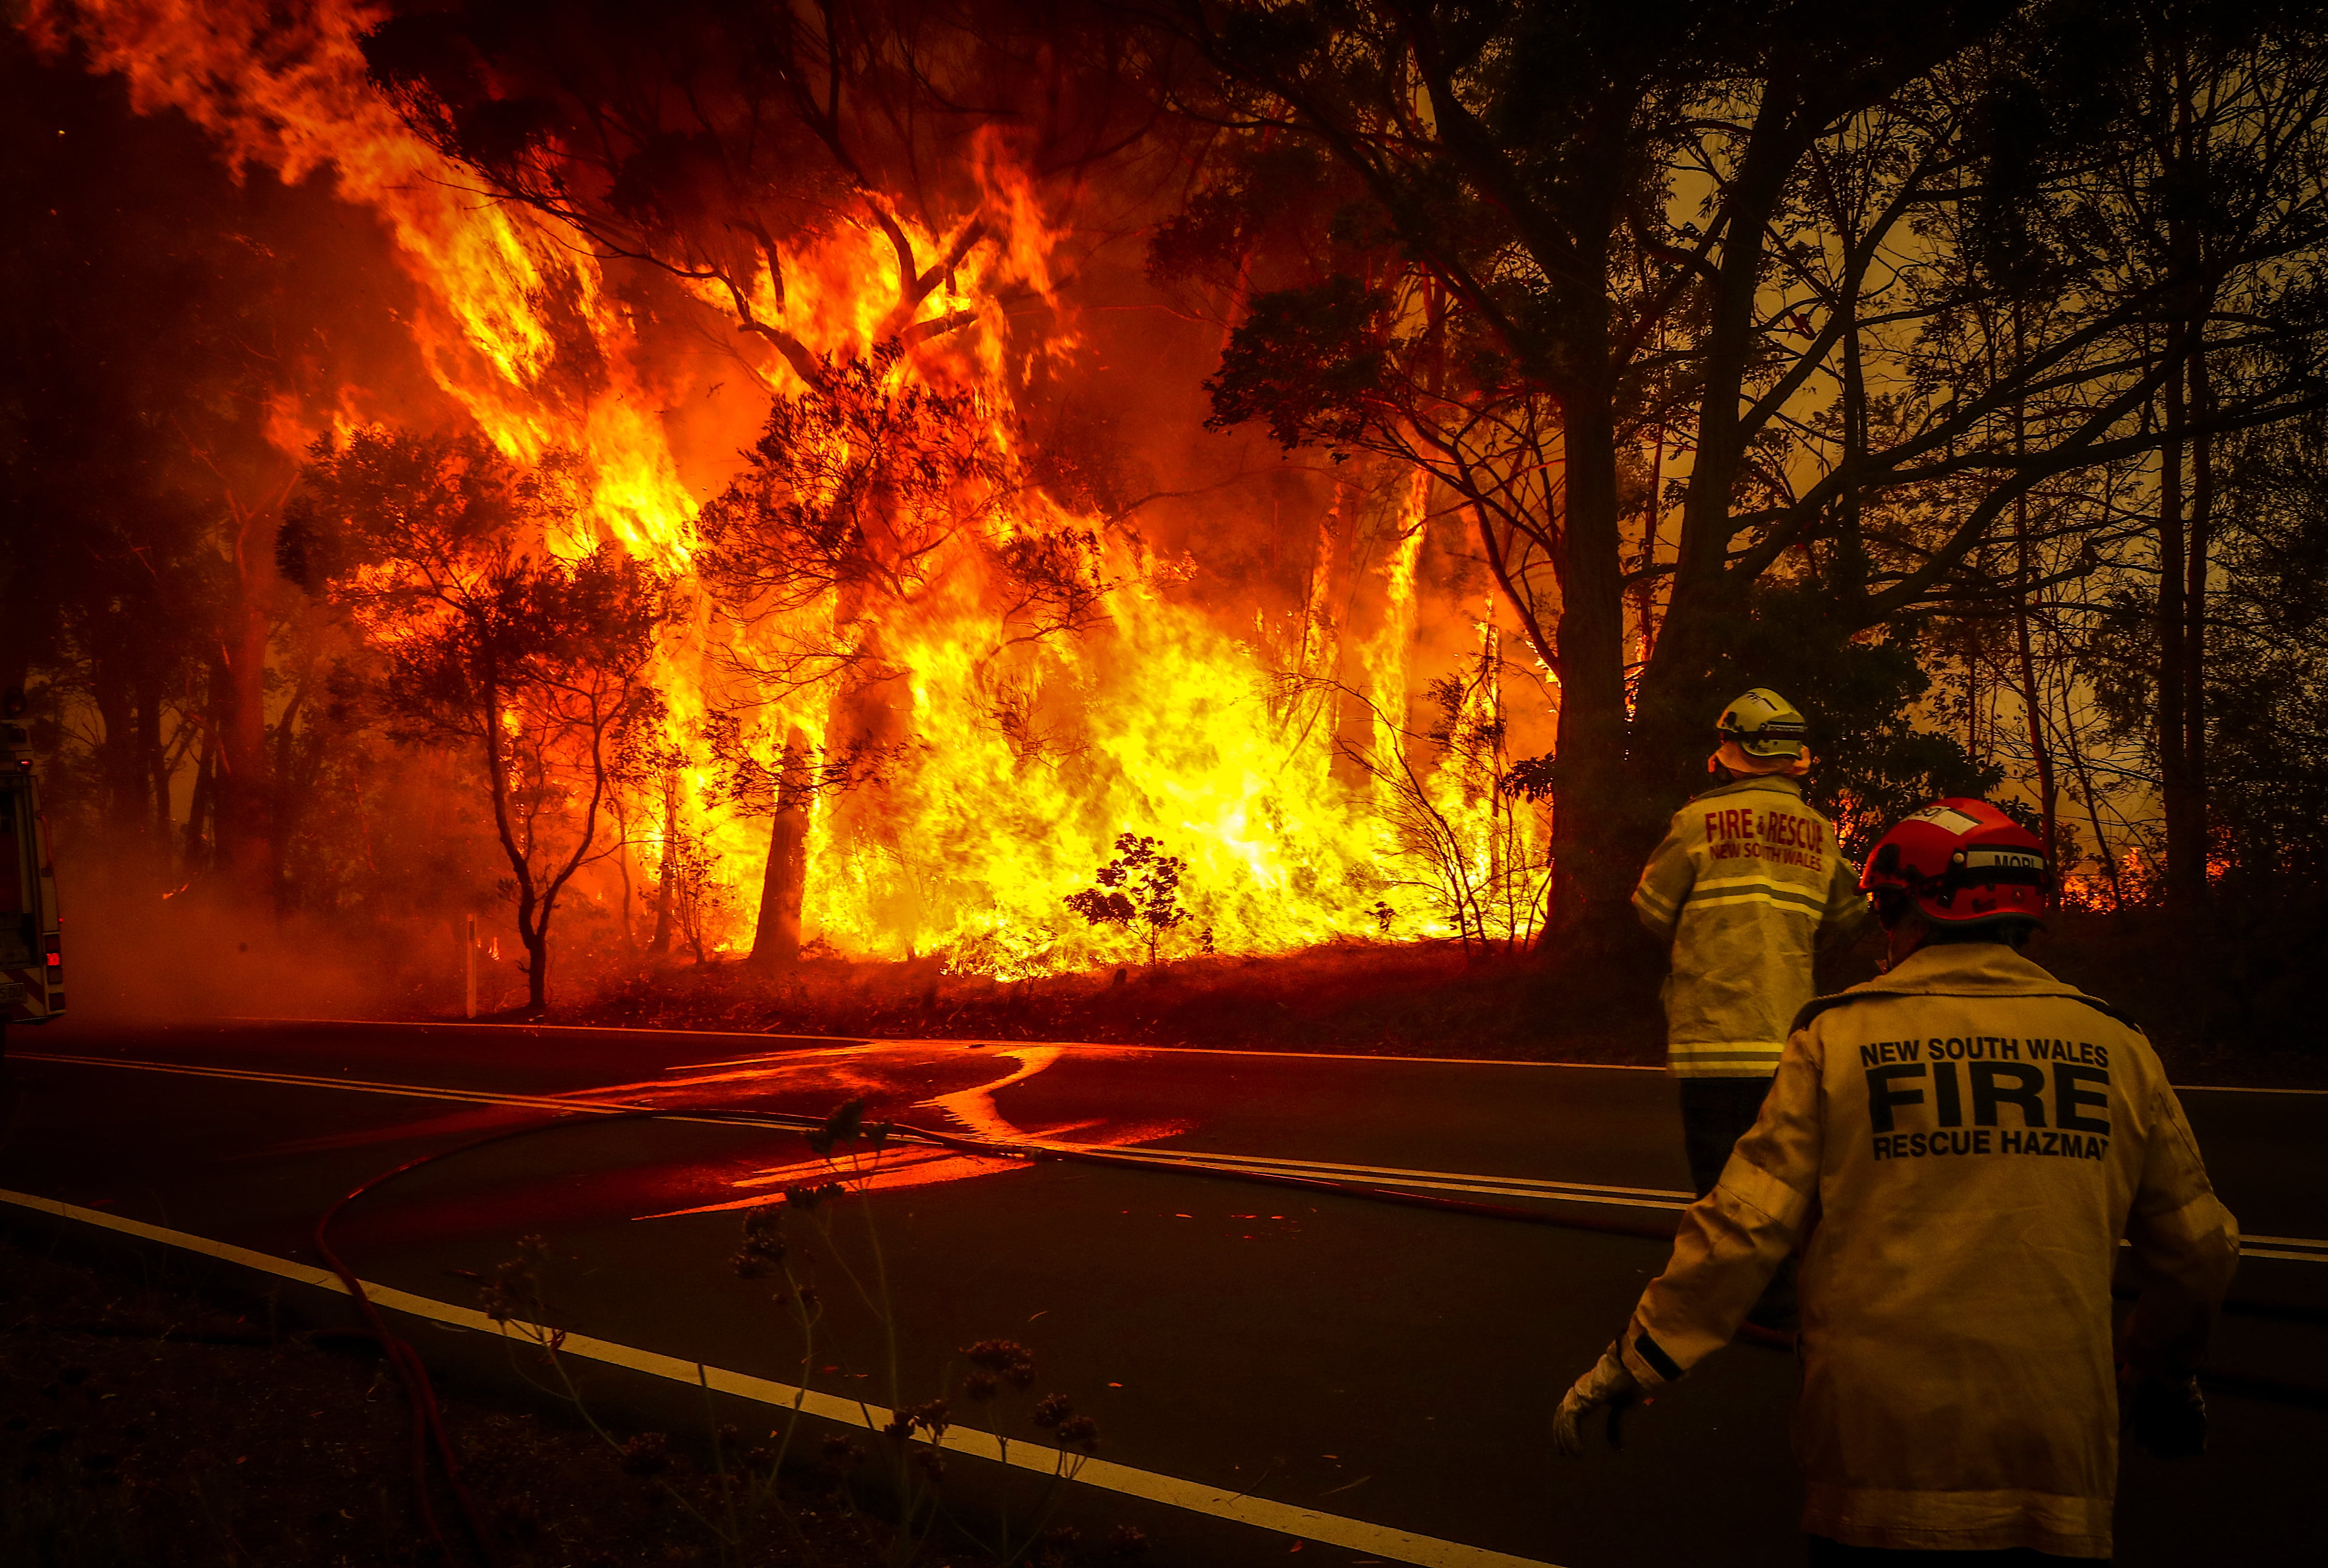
1957,1147
1747,886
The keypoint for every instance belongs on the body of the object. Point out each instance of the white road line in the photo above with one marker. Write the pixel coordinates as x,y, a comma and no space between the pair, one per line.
1194,1497
2307,1250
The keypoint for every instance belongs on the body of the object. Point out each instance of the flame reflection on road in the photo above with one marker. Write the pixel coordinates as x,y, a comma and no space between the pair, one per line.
973,1110
948,1085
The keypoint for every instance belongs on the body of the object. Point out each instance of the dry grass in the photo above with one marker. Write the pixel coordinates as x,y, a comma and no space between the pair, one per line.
144,1425
1420,999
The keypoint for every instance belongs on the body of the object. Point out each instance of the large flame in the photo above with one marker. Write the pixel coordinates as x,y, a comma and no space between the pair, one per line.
1162,719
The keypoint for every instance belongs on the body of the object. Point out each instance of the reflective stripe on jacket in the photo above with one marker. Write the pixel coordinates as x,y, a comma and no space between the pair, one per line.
1963,1142
1746,886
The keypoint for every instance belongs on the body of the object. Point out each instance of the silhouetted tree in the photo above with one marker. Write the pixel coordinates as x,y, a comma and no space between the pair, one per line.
1140,888
438,547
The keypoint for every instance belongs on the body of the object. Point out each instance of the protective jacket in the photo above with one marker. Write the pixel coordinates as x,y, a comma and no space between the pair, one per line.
1957,1147
1746,886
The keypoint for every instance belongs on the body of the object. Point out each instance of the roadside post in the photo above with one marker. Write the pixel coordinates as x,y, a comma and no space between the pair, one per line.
469,960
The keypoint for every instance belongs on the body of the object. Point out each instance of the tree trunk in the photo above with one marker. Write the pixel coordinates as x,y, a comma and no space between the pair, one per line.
2192,830
2094,814
2038,751
1676,710
871,709
153,761
120,758
2181,558
776,941
2032,709
668,874
293,781
623,858
245,802
2185,855
199,854
1593,855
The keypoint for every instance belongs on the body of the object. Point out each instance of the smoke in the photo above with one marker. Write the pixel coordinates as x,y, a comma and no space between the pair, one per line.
133,957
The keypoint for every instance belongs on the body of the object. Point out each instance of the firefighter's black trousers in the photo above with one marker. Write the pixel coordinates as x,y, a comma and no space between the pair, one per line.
1715,1113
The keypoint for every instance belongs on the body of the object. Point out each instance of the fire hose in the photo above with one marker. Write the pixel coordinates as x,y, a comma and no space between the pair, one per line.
428,1427
428,1436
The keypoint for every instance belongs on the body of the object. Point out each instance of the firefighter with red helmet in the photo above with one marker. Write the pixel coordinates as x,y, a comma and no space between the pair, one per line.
1957,1147
1747,886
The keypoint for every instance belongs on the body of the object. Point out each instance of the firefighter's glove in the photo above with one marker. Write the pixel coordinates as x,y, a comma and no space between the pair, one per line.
1608,1387
2167,1415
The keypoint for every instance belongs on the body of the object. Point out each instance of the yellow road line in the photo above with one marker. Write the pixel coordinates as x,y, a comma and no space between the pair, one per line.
1217,1502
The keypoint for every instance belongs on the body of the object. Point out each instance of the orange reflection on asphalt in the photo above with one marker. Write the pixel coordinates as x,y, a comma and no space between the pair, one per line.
971,1109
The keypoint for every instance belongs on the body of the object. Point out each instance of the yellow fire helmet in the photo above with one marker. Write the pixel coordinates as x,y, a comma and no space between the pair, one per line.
1765,725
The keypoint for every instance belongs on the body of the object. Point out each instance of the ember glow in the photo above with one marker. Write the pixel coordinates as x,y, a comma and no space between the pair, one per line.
1015,757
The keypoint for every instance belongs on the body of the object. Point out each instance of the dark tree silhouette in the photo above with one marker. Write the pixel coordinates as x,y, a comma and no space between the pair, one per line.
1141,888
437,549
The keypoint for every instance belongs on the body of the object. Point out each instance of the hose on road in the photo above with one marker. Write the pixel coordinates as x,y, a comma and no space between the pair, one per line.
428,1438
1651,1230
428,1432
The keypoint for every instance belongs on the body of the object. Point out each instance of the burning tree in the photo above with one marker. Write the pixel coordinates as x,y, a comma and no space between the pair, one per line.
860,494
850,498
437,547
722,144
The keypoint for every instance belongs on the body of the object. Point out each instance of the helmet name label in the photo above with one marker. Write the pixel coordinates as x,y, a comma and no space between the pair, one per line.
2003,860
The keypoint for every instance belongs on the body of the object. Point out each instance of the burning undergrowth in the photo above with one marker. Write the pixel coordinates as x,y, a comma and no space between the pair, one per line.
1422,999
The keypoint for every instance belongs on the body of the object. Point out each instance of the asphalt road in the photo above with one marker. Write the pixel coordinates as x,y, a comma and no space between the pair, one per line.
1388,1365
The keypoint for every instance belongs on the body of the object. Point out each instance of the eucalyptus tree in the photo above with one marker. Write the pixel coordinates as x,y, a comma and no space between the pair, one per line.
539,664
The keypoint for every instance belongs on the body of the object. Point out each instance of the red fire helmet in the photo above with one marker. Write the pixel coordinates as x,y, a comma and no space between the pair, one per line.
1963,863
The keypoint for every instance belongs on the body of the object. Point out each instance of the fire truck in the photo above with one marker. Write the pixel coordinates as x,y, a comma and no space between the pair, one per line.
31,958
